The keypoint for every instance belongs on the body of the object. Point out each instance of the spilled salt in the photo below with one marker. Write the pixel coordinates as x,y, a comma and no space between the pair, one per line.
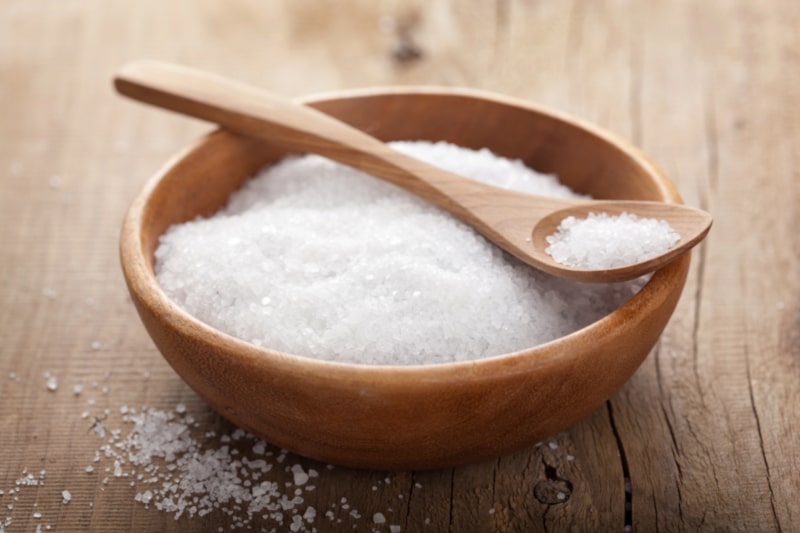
345,267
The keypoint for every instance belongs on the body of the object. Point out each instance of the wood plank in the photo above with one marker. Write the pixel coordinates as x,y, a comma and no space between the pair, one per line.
705,448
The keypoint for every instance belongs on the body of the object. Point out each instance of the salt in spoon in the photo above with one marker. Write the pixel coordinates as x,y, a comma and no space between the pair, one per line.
516,222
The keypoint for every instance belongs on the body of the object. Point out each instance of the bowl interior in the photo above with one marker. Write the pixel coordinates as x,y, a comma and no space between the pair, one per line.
405,417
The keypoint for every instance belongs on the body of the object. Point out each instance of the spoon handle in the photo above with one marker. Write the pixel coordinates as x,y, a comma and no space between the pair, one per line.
256,113
506,218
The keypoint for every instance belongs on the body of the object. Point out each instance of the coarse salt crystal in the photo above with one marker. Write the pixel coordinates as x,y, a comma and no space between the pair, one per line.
300,477
49,293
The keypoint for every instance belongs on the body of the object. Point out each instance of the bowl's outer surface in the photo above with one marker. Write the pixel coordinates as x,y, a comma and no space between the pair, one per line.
405,417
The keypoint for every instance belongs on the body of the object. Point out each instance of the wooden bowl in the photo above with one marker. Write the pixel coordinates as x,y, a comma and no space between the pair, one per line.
405,417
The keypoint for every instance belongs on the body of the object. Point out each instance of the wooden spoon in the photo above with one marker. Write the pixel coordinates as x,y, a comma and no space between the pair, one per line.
517,222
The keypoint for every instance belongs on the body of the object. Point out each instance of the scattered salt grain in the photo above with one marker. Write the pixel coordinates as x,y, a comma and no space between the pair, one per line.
605,241
15,168
52,383
395,528
12,376
378,518
66,496
49,293
552,445
77,389
121,146
300,477
570,457
95,345
375,290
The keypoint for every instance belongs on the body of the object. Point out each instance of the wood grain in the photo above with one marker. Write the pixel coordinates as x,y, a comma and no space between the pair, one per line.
707,427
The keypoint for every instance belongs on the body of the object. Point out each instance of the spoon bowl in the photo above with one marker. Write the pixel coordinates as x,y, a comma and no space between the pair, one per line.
504,217
404,417
686,225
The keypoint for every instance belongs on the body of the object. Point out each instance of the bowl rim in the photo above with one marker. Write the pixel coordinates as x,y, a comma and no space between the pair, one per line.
141,278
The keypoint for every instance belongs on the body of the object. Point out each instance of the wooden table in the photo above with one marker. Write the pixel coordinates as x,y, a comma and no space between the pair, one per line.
705,435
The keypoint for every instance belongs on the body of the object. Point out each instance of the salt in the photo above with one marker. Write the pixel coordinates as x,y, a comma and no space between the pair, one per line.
345,267
49,293
603,241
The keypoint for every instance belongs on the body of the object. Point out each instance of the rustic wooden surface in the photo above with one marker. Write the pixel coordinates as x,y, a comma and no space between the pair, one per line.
706,432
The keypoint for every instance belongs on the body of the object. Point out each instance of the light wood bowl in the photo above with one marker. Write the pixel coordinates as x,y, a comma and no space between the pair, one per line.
405,417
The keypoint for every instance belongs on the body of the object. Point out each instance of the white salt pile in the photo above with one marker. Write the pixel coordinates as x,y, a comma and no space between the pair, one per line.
320,260
605,241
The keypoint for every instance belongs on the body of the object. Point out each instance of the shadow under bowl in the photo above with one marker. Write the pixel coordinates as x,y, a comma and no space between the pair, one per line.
405,417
